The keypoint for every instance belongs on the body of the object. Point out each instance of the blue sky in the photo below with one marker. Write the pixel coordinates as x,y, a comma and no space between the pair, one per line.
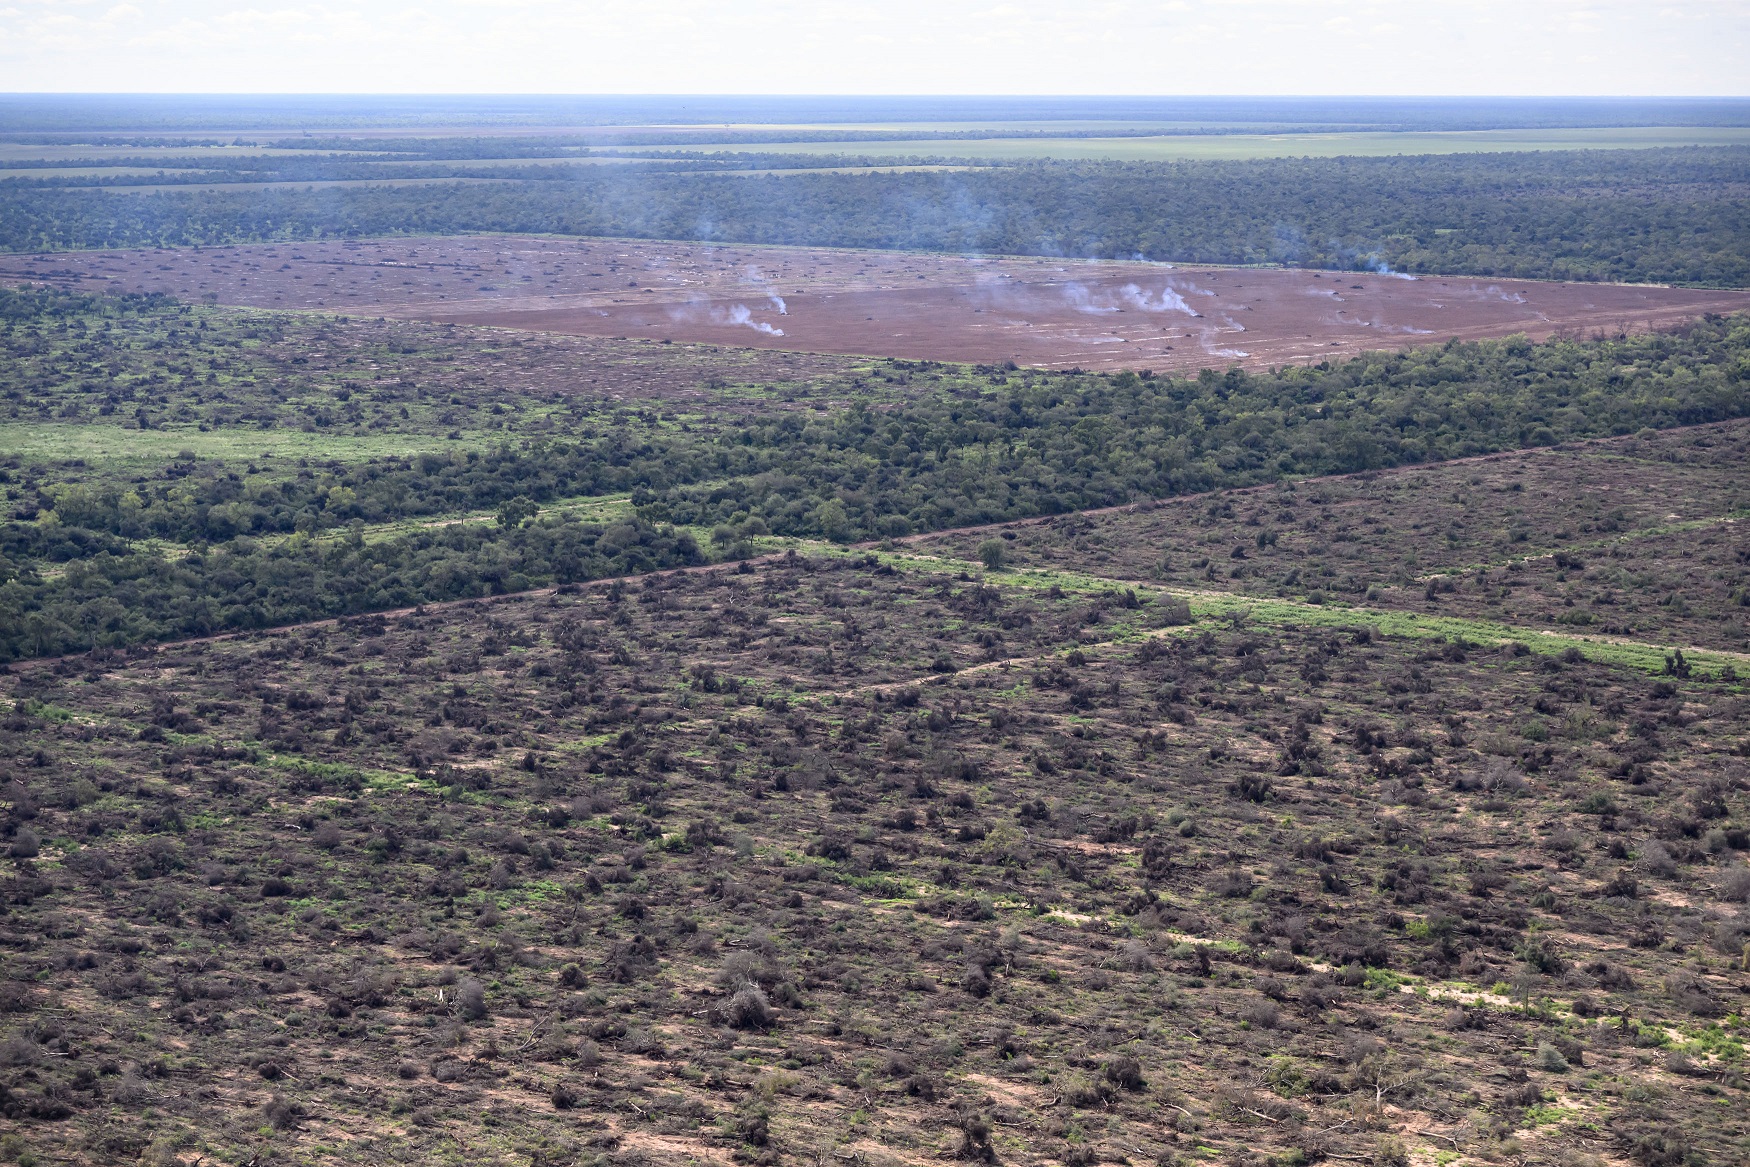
1460,47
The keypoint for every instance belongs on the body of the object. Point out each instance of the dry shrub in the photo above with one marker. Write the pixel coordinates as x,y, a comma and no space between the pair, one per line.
1262,1014
471,999
747,1008
282,1113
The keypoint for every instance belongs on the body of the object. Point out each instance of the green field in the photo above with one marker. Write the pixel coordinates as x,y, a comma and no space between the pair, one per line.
916,168
1000,145
115,449
90,172
79,152
493,163
1217,147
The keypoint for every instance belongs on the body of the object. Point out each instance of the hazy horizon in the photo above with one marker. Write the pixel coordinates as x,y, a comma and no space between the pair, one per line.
1260,47
535,113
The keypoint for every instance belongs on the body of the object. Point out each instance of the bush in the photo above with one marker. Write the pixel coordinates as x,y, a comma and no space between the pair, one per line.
1665,1146
281,1113
1262,1014
975,1140
993,553
747,1008
1125,1072
471,999
1550,1059
1390,1151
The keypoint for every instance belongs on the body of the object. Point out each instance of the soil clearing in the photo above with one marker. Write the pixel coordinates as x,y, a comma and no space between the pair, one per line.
1047,313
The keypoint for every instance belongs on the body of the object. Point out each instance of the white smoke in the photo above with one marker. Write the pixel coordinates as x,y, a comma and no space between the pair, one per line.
736,315
1208,346
1381,326
742,315
1166,300
1102,301
1381,267
754,277
1087,302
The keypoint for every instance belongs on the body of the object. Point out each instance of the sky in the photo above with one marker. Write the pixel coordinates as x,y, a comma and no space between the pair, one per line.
1115,47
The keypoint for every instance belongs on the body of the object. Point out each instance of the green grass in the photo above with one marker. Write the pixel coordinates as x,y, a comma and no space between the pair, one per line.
1412,625
596,508
1244,146
878,168
493,163
1621,652
902,129
1164,145
93,172
80,152
116,448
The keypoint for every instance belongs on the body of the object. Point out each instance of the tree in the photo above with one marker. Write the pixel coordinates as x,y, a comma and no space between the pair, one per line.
517,511
993,553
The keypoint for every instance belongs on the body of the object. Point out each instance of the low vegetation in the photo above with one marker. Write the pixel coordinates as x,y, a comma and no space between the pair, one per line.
853,854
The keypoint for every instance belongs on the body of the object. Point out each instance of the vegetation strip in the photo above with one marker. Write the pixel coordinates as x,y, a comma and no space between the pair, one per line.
924,448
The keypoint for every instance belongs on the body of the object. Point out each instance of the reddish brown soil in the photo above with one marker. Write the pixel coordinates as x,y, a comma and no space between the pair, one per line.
1041,312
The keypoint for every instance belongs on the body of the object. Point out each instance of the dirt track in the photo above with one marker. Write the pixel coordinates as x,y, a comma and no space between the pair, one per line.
1036,312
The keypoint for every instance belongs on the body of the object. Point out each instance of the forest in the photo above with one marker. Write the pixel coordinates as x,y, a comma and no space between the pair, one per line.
1652,215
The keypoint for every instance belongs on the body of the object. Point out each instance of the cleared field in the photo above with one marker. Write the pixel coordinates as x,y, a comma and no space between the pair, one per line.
1638,537
1047,313
1292,145
80,152
321,184
1147,318
883,857
90,172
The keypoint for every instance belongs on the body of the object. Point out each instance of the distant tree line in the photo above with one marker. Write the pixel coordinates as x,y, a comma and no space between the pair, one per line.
1668,215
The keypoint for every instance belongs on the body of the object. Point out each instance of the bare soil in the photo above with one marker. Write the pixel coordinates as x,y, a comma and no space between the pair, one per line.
1048,313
